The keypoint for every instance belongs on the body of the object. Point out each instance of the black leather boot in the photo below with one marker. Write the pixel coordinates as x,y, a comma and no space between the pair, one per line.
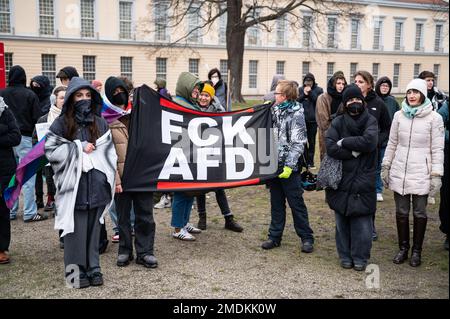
403,239
201,221
420,225
232,225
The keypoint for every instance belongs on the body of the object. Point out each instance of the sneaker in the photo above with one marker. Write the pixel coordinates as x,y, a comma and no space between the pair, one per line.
148,261
347,264
115,238
269,244
12,217
164,202
36,218
183,235
359,267
83,281
96,279
431,200
49,206
307,247
380,197
191,229
124,259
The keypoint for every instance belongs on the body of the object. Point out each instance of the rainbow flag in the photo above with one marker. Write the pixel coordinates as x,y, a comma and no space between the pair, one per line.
111,112
28,166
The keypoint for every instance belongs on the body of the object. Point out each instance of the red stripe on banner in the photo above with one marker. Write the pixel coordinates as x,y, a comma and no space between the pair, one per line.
189,185
174,106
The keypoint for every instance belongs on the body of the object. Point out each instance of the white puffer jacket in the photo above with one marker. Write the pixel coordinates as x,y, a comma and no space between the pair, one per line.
415,151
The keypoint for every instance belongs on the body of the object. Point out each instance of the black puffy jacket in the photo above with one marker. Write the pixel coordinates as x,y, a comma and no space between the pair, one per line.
356,194
9,137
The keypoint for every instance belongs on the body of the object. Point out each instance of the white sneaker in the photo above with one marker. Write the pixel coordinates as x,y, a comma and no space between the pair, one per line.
183,235
431,200
191,229
164,202
380,197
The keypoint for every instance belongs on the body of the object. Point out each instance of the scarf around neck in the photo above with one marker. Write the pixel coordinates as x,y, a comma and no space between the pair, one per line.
53,114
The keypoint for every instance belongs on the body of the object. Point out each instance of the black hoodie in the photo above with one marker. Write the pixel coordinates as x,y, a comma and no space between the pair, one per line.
309,101
22,102
43,93
68,72
111,84
379,110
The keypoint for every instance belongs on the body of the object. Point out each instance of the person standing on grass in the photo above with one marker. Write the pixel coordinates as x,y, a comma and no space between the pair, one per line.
9,137
413,166
352,138
290,131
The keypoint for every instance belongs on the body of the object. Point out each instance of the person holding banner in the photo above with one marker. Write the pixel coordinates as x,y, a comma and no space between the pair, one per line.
80,148
208,103
9,137
290,131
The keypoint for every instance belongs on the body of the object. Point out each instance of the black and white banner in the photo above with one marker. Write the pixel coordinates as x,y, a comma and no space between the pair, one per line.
174,148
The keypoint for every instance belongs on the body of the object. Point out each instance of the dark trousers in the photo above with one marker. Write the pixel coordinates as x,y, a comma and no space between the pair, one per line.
82,246
444,208
39,186
354,238
290,189
221,199
403,205
5,224
311,132
144,225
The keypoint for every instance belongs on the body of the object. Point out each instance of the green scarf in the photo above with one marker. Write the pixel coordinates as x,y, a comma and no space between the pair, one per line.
410,111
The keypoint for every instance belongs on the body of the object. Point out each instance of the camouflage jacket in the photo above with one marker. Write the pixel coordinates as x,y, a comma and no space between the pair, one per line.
290,132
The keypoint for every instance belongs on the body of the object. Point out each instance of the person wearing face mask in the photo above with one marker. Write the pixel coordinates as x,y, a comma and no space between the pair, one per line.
352,138
220,87
413,166
80,149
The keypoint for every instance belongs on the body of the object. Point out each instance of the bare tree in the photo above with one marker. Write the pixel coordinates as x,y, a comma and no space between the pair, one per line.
241,15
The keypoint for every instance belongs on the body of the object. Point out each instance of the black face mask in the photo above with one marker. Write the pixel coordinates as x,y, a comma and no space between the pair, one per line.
37,89
355,108
83,112
120,98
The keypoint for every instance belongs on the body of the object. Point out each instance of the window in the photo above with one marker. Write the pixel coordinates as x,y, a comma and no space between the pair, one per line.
305,68
281,31
418,46
353,67
89,67
375,71
224,70
87,18
194,24
253,37
5,17
436,68
396,76
355,34
307,25
46,17
398,41
416,70
161,68
377,30
193,66
280,67
125,18
331,40
438,38
49,67
161,14
8,63
330,70
253,74
126,66
223,29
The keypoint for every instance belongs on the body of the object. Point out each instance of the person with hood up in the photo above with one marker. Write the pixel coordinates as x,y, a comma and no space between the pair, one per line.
161,88
187,92
66,74
352,138
220,87
271,96
413,166
9,137
290,132
40,85
208,103
24,104
307,96
377,108
383,89
80,149
327,106
436,96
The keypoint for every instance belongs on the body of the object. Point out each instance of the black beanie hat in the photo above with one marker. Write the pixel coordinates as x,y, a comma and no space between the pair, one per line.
351,91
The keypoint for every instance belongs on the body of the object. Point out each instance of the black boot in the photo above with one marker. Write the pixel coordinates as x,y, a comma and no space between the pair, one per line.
202,221
232,225
420,225
403,239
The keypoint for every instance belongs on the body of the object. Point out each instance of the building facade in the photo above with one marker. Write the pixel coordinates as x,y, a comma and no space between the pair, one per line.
114,37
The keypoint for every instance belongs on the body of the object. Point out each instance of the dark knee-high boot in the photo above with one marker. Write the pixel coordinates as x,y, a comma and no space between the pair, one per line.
403,239
420,225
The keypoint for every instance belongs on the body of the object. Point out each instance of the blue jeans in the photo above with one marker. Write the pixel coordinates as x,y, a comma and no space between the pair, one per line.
379,182
29,205
354,238
181,209
113,214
